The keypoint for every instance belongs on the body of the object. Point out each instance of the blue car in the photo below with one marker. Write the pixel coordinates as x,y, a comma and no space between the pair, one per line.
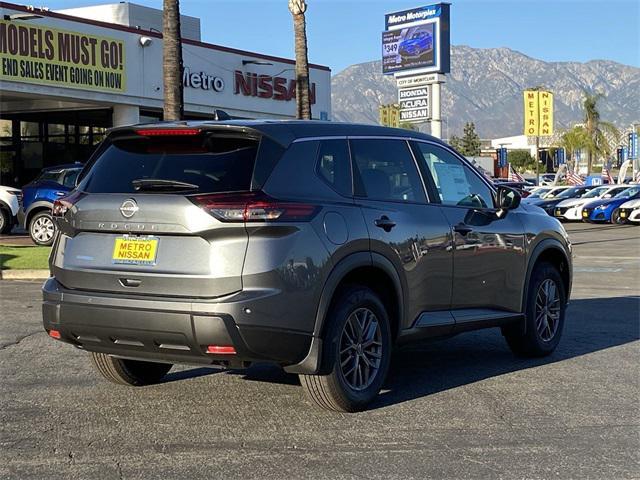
602,209
417,44
38,198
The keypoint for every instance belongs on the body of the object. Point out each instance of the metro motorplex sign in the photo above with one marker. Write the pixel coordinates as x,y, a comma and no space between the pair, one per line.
417,41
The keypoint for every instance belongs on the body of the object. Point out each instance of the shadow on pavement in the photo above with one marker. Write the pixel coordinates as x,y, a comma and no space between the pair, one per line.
592,325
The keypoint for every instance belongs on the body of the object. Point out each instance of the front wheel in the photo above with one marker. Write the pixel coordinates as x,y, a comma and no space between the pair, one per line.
616,218
42,230
5,221
544,315
135,373
357,353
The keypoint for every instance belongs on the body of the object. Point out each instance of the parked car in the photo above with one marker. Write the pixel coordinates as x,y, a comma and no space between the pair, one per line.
602,210
547,179
571,209
39,195
627,212
202,250
545,193
521,187
416,44
10,201
548,204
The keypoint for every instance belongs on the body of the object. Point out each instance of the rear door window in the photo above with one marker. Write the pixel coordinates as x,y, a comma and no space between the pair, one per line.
386,170
211,162
334,166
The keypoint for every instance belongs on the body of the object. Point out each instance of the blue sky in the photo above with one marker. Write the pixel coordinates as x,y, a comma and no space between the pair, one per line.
344,32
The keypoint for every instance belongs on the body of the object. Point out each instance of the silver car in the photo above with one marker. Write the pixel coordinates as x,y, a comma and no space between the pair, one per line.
316,246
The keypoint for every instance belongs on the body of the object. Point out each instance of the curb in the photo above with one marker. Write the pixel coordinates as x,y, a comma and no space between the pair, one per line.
24,274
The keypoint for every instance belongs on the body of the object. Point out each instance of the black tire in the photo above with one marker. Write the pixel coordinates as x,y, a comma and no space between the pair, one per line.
616,219
134,373
330,389
534,342
37,233
5,221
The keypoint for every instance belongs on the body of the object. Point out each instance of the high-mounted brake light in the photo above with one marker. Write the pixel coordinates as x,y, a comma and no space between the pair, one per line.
165,132
62,205
254,207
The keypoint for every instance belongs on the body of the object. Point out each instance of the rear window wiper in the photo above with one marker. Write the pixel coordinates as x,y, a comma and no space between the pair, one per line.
158,184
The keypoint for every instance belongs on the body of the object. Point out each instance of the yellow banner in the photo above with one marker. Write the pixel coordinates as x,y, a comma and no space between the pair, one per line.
531,113
43,55
545,103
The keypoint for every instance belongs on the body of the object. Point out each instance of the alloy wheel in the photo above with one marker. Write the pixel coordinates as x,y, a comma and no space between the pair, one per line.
43,229
360,349
547,310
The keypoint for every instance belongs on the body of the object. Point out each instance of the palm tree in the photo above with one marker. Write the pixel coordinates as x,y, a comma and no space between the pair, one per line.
303,104
172,61
596,129
572,140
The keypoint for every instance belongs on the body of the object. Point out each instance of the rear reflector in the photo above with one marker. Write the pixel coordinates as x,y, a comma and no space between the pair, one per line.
221,350
54,334
254,207
161,132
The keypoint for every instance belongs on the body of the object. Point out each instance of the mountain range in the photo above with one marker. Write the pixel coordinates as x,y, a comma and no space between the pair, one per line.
485,87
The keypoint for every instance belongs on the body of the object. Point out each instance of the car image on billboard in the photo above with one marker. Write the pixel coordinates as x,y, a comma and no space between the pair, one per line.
408,48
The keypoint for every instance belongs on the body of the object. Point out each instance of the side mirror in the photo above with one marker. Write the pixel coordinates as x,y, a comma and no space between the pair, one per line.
507,198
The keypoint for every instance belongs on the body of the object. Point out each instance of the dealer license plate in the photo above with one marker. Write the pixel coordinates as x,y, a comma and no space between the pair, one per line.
135,250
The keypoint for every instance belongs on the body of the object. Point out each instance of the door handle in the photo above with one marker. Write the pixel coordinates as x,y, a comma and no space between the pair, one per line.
385,223
61,194
462,229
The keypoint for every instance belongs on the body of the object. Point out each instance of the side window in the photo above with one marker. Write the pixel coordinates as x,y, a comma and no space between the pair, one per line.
455,182
386,170
333,165
70,178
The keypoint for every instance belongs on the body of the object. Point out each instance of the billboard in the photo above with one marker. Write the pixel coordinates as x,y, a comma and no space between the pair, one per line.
538,113
35,53
417,40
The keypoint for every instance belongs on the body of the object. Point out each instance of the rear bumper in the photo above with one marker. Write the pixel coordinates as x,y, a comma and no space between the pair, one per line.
172,331
20,217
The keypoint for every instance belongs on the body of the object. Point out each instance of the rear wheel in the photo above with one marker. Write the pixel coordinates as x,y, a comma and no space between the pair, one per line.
129,372
357,353
5,221
545,314
42,229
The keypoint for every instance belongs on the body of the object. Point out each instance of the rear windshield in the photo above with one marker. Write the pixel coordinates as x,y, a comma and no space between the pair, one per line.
209,162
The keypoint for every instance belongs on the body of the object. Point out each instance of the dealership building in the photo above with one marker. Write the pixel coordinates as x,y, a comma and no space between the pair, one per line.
67,76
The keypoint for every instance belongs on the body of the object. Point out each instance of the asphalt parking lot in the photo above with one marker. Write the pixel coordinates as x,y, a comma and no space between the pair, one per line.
460,408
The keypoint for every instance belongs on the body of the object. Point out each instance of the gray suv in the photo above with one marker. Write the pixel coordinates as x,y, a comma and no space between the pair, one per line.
316,246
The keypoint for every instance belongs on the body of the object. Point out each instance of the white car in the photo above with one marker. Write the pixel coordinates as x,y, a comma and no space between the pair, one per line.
545,193
571,209
10,200
630,211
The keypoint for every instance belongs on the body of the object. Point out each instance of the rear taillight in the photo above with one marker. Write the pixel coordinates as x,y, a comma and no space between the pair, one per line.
62,205
254,207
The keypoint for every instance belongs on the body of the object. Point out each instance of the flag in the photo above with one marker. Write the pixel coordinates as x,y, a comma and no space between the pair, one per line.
606,175
573,178
515,176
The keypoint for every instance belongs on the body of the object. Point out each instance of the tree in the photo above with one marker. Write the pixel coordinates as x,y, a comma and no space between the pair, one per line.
470,141
172,66
456,143
409,126
572,140
596,129
521,160
303,103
